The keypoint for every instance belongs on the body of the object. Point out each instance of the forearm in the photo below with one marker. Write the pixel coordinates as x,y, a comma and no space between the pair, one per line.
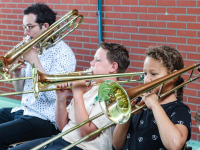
61,114
82,115
119,135
39,66
170,135
18,85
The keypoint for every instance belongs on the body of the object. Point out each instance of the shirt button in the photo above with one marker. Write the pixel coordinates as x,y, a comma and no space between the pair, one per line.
26,106
26,99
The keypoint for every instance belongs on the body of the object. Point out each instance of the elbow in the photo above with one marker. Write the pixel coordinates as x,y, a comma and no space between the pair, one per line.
84,131
117,145
175,146
60,127
83,134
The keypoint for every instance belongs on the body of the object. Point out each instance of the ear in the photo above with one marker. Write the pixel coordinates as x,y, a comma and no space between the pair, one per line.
175,79
114,67
45,26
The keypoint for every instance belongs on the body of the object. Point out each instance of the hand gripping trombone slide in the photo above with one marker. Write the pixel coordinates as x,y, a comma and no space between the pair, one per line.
115,103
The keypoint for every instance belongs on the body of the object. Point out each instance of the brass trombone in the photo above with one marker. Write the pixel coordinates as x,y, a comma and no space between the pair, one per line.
4,74
41,80
115,102
47,39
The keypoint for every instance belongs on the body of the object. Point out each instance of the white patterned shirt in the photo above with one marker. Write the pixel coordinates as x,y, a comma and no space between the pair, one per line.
57,59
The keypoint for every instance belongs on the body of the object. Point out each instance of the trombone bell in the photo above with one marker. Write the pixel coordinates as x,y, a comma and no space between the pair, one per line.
114,102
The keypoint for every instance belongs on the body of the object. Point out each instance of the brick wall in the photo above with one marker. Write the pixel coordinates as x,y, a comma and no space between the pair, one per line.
136,24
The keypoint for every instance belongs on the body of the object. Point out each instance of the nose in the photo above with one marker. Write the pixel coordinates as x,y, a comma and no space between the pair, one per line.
147,79
92,63
26,32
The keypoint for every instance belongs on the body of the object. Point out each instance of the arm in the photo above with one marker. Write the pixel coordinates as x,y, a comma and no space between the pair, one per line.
19,85
31,56
120,131
61,111
172,136
79,89
119,135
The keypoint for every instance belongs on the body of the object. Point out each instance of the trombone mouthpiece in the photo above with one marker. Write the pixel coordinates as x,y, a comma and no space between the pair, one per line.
27,39
88,71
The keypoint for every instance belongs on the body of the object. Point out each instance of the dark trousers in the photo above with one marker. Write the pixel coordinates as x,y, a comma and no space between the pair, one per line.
55,145
15,128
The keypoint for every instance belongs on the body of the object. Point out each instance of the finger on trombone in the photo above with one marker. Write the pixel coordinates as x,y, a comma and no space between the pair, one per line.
62,86
89,83
20,60
135,104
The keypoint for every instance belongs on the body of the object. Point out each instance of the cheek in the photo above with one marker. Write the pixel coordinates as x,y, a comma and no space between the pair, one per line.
100,68
36,33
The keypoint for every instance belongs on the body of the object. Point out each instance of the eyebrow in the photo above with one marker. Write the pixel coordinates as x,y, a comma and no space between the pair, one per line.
28,24
150,70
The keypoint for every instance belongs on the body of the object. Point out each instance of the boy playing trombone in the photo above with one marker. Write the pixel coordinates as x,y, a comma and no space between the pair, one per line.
109,58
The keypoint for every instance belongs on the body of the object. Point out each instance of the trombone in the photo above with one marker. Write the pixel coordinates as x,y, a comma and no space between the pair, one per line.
4,74
115,102
41,81
47,39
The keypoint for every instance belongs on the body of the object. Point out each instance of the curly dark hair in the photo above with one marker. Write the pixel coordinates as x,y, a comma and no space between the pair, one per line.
43,12
171,59
117,53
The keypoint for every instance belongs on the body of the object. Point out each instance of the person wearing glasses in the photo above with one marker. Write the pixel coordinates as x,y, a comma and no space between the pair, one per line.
35,118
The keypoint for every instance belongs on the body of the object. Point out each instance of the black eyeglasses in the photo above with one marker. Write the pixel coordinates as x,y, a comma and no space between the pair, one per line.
29,27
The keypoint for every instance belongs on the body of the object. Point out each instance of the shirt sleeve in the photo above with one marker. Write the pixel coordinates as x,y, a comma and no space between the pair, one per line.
64,61
181,115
